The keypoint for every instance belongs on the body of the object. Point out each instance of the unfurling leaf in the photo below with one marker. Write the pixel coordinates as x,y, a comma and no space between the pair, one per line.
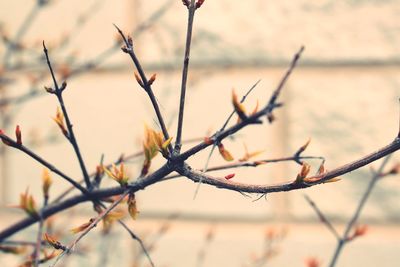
132,207
305,169
28,204
18,135
59,119
82,227
224,153
52,241
110,218
153,143
229,176
321,169
239,108
47,181
118,175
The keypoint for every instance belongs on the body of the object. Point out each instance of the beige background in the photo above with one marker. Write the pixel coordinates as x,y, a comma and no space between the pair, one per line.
344,95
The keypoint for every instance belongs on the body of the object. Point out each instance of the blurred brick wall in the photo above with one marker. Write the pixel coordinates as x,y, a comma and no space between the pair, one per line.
344,95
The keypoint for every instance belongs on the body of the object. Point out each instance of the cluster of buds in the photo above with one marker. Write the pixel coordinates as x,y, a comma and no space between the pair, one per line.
118,174
59,119
149,82
153,143
54,91
28,204
128,48
198,3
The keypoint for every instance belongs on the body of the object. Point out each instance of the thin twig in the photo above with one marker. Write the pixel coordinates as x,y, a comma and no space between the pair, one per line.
71,136
220,130
187,171
36,254
26,24
145,83
43,162
95,61
91,226
191,12
254,164
322,217
218,136
345,237
217,182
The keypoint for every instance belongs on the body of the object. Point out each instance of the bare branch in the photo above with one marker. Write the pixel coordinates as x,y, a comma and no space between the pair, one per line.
71,136
322,217
191,11
345,237
146,84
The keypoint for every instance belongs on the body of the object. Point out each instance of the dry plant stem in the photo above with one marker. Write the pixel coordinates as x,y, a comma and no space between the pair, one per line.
38,246
71,135
342,241
322,217
191,12
92,225
146,85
